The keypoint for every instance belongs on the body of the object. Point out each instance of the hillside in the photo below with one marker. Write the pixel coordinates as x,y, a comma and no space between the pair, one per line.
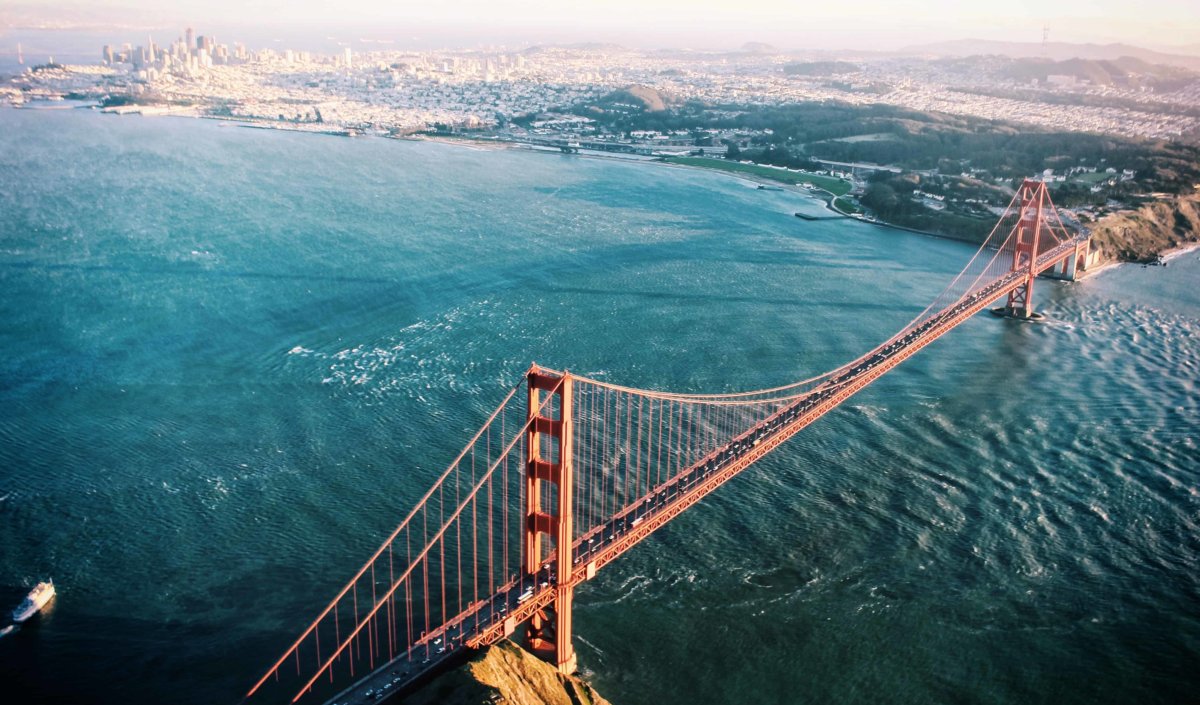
638,97
505,674
1141,235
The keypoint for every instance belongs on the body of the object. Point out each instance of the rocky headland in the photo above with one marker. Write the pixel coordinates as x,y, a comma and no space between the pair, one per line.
505,674
1145,234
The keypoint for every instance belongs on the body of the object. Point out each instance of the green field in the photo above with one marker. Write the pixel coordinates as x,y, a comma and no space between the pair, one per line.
1092,178
838,187
845,205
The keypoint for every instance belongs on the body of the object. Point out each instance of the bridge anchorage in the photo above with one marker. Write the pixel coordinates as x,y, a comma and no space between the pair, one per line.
550,491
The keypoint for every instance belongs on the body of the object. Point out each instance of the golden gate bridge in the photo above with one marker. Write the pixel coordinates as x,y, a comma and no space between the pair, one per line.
570,472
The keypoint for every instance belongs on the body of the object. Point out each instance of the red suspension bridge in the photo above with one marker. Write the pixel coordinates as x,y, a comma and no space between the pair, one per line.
568,473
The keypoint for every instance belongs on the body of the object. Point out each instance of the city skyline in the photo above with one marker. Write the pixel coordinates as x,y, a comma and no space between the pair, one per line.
1163,25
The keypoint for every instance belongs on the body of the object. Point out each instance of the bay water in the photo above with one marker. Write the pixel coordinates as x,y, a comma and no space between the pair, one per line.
231,359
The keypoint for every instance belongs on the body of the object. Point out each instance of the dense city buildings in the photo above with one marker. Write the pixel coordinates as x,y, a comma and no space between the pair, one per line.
690,106
404,91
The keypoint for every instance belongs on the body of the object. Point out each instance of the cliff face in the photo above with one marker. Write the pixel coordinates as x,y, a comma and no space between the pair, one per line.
1139,236
505,674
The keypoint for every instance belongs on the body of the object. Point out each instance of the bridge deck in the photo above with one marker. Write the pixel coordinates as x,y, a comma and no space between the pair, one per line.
492,619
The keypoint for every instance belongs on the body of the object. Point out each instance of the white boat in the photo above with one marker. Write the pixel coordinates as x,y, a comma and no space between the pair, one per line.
8,630
34,601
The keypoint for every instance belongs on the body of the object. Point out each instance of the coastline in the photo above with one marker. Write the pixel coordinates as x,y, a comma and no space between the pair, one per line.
1176,252
478,145
814,193
1163,258
497,144
927,233
825,197
1099,269
827,200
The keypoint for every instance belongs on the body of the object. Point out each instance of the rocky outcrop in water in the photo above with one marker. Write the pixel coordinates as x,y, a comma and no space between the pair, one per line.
505,674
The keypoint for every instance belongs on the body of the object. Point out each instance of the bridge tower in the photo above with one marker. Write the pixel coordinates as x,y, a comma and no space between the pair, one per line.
1072,266
1029,229
548,450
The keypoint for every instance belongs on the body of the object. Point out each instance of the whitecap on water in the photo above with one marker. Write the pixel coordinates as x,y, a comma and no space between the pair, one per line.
870,411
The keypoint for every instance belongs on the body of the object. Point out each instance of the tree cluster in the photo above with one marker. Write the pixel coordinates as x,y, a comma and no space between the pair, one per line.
789,135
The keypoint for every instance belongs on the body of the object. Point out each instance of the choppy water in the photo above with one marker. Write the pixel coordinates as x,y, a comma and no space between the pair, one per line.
230,359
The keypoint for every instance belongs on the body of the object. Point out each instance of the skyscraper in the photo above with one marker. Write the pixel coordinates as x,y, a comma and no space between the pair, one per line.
349,63
190,39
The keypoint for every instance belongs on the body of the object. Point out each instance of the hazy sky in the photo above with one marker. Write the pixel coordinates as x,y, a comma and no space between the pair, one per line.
865,23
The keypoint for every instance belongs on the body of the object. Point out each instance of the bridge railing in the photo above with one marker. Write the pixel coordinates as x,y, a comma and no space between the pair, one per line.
457,547
630,443
460,547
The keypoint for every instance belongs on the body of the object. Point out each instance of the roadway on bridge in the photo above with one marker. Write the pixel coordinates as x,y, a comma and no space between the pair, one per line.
491,619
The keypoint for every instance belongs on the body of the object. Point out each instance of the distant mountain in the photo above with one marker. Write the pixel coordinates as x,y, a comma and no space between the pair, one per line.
1058,51
577,46
759,48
